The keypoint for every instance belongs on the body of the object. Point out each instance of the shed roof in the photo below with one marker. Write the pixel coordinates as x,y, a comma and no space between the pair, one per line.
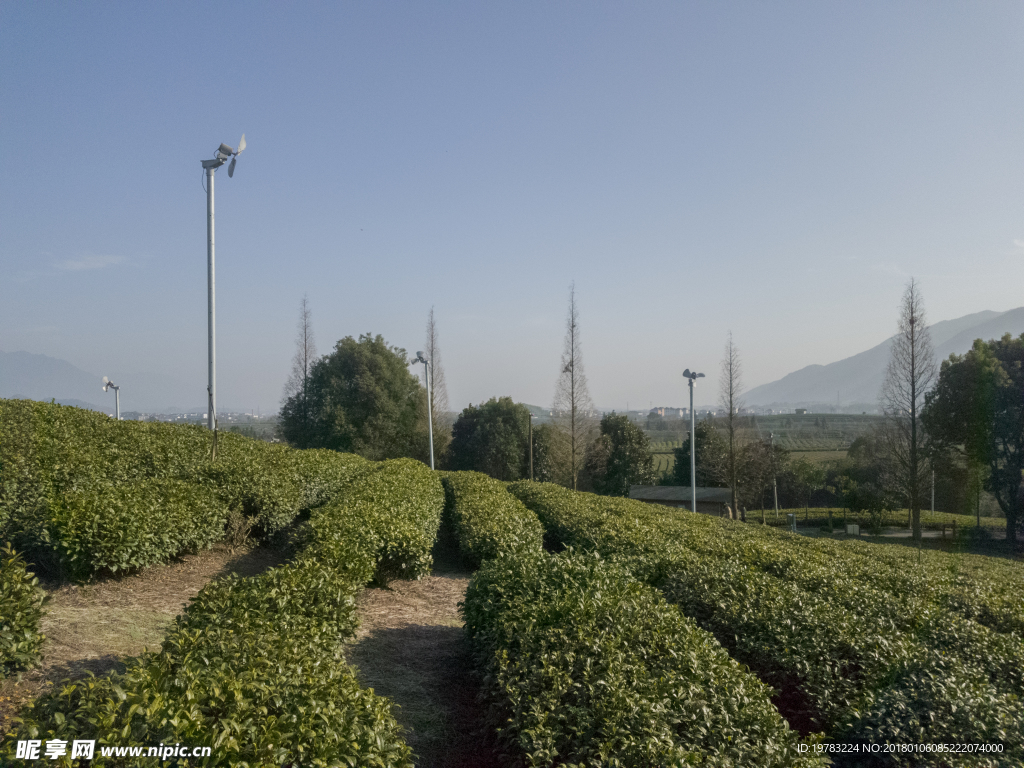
678,493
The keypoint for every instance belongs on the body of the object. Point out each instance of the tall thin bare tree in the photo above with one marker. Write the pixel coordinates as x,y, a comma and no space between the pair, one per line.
574,410
438,391
909,376
297,385
730,385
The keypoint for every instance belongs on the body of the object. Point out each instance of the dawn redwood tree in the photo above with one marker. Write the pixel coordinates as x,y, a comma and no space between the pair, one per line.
442,418
977,410
730,384
908,378
295,398
572,407
362,399
492,438
620,457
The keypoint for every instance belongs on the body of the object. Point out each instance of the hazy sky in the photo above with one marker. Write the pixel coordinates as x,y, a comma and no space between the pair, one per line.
778,169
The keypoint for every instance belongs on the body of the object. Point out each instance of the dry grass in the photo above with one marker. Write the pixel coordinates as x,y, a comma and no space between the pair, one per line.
411,648
93,628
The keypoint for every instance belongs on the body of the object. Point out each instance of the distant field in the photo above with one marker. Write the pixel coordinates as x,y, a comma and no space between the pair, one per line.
806,432
817,516
663,462
818,457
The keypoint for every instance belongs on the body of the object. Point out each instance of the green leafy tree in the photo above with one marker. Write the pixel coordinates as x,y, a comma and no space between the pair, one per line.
977,409
620,457
492,438
361,398
712,457
549,455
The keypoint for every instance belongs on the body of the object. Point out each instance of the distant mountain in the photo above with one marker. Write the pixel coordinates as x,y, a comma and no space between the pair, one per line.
858,379
39,377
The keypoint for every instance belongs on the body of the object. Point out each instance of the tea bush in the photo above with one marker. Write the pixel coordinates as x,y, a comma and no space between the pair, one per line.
846,655
112,529
61,467
583,665
21,607
486,519
254,668
402,501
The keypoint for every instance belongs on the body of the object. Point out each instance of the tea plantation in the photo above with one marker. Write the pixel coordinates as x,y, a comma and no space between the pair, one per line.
606,632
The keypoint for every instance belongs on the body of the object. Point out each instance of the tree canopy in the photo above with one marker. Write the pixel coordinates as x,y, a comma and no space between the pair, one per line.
361,398
977,409
712,455
620,457
492,438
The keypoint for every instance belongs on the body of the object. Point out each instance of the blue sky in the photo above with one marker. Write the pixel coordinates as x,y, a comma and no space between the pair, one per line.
778,169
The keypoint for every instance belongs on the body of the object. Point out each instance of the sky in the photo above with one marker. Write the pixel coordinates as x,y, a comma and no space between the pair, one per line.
779,170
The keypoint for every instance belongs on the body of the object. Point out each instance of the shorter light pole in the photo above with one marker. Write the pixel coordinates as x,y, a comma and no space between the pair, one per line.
430,418
108,384
692,378
775,475
532,417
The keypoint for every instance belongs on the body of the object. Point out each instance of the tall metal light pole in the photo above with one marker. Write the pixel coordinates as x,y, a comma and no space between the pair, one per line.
430,418
220,157
692,378
107,385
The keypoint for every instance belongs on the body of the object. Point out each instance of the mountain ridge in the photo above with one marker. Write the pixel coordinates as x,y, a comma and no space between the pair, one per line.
857,380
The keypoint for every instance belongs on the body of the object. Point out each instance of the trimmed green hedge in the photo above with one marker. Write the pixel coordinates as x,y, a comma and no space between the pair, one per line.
403,523
21,607
583,665
82,494
112,529
486,519
254,668
814,621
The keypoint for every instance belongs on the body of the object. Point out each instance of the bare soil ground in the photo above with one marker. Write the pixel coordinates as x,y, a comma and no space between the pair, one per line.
411,647
95,627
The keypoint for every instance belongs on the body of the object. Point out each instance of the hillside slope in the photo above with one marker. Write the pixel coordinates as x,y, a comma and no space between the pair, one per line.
858,379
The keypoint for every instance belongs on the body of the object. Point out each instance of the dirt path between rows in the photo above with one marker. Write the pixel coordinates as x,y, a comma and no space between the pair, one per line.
411,647
94,627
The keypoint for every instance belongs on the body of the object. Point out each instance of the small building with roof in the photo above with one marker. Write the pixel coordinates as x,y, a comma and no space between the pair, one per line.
710,501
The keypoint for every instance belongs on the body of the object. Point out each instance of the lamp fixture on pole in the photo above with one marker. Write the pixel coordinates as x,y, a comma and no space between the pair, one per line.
221,156
108,385
692,378
430,418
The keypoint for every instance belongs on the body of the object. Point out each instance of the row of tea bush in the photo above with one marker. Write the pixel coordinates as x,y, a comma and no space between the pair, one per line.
583,665
860,642
254,668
